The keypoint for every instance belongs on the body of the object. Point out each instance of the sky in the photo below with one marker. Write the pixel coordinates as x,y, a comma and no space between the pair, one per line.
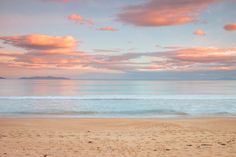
125,39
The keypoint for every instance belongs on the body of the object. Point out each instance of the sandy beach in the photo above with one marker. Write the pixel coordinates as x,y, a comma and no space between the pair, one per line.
203,137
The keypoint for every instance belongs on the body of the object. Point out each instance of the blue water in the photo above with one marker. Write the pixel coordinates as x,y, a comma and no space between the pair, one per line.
120,99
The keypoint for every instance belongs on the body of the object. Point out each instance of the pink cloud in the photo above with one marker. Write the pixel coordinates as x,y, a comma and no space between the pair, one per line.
230,27
50,52
40,42
107,50
206,55
199,58
108,28
78,18
164,12
199,32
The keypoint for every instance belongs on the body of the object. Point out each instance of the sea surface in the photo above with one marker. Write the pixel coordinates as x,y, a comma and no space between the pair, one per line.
116,98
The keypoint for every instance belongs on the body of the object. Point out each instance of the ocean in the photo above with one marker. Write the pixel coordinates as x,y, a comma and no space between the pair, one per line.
117,98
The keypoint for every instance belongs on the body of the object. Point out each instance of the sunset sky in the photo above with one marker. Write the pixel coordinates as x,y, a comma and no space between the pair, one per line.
118,39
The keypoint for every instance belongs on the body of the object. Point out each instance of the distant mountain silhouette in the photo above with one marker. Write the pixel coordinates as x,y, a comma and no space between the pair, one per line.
44,78
2,78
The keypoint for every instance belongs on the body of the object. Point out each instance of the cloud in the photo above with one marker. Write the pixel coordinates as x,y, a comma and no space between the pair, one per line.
107,50
185,55
8,56
40,42
164,12
199,32
205,55
191,59
58,54
78,18
108,28
230,27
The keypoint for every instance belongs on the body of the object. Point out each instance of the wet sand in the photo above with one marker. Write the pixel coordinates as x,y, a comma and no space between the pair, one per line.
202,137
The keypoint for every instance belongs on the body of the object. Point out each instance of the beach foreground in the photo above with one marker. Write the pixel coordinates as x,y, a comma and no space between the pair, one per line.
206,137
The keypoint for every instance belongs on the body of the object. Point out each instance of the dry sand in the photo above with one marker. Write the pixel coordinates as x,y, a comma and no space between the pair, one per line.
209,137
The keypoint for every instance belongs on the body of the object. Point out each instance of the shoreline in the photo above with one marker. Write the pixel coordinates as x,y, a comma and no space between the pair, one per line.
174,117
89,137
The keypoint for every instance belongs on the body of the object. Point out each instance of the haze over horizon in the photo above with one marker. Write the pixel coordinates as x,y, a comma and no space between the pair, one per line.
105,39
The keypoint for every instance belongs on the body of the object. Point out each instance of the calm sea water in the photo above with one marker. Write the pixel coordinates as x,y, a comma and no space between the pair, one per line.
112,98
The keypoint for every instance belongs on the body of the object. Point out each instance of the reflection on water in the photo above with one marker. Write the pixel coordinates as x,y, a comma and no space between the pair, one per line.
107,98
109,87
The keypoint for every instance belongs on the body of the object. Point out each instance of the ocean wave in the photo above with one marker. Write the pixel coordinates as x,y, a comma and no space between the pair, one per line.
126,112
120,114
